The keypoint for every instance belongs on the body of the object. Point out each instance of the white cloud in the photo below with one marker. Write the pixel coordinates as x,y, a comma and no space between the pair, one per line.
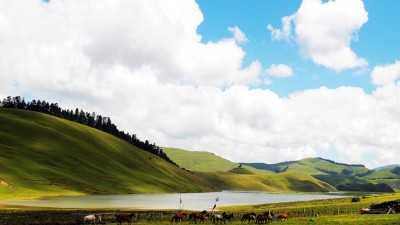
324,31
238,34
385,75
61,38
286,31
279,70
144,65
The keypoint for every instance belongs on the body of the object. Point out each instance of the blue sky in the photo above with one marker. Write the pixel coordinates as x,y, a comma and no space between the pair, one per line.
377,41
251,81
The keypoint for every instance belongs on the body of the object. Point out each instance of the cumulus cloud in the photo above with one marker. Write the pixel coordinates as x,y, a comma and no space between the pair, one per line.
386,74
144,65
238,34
62,39
324,31
279,70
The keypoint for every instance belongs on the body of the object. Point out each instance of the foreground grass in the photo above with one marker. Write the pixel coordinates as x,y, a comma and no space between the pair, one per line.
324,207
68,217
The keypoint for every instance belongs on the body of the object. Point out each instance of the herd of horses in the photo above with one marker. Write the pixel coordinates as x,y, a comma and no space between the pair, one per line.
200,217
219,218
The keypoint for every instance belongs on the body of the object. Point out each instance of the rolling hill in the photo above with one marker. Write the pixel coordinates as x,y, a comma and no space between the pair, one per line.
227,175
314,166
344,177
42,155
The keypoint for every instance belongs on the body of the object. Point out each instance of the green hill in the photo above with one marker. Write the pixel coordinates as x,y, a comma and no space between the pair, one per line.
199,161
344,177
41,155
226,175
313,166
386,173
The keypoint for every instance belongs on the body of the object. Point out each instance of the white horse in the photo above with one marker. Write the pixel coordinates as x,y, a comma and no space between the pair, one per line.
217,218
91,217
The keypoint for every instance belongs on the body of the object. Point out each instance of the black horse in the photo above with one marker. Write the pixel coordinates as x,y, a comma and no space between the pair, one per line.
227,216
250,217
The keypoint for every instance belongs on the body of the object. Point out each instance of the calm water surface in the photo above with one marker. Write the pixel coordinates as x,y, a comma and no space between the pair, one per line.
194,201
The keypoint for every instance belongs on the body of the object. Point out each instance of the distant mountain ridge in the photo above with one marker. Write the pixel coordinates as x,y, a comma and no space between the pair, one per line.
345,177
314,166
387,166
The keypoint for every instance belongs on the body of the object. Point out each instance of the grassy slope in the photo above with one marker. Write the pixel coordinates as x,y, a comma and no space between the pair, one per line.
386,176
45,155
311,166
226,175
199,161
385,173
347,174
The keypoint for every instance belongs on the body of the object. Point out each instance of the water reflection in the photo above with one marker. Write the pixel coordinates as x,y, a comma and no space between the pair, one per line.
193,201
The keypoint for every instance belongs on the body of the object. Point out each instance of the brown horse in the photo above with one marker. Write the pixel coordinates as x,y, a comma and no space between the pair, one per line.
178,217
265,218
199,215
283,216
125,217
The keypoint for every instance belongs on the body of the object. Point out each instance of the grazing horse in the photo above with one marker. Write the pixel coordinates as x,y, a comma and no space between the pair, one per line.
91,217
198,215
283,216
215,218
249,217
227,216
125,217
265,218
178,217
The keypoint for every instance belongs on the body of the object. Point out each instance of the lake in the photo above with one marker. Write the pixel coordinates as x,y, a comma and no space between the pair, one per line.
192,201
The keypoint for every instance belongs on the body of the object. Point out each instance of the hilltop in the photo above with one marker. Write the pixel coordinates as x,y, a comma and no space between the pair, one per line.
199,160
43,155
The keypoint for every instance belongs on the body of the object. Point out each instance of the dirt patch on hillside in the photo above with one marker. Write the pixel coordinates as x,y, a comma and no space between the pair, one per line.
4,183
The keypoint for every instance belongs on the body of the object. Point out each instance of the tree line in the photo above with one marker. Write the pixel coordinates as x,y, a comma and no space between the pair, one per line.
89,119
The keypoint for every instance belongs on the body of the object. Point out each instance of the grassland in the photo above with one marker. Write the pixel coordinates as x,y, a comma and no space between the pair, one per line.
325,207
301,213
41,155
